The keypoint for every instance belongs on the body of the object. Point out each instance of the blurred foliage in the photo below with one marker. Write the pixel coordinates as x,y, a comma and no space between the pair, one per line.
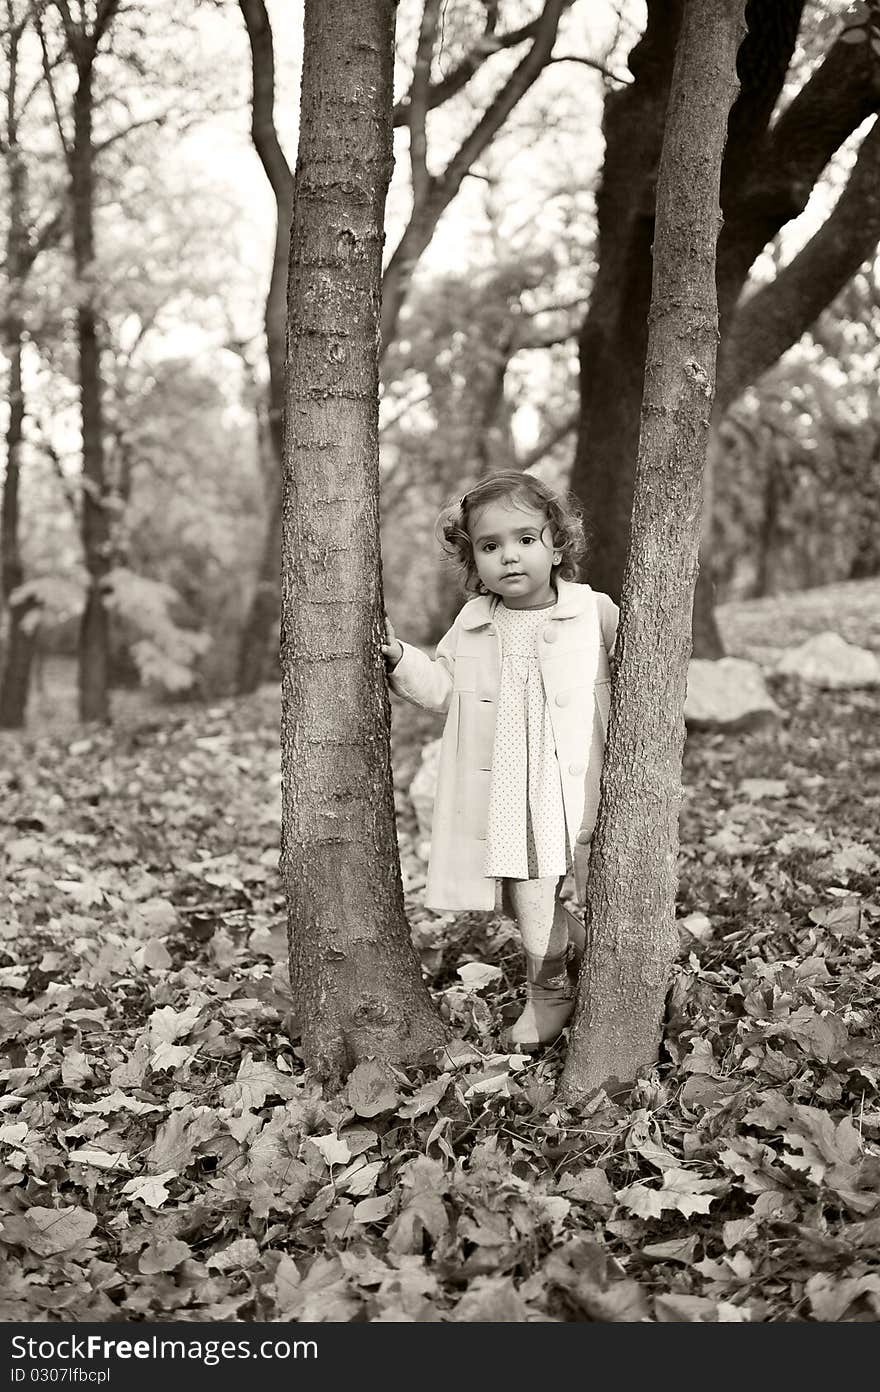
483,374
797,493
483,359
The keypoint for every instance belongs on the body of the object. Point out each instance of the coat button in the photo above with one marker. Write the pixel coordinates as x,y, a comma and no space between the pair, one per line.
549,634
583,838
575,769
563,698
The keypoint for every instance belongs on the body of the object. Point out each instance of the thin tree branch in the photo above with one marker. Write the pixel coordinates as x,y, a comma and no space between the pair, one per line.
53,96
72,31
47,235
549,441
563,307
263,132
418,105
622,79
106,13
69,488
773,319
533,338
102,145
442,190
403,408
461,74
514,89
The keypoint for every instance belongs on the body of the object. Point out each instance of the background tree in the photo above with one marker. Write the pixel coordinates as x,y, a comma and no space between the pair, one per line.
357,985
83,38
111,77
431,195
262,618
631,935
27,235
770,169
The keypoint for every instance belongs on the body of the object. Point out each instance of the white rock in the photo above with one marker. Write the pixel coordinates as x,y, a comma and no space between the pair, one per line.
729,694
827,660
423,787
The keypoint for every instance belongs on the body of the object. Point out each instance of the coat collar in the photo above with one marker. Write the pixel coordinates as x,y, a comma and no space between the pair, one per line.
572,600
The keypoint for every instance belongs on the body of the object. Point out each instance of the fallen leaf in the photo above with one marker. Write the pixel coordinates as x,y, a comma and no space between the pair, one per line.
151,1190
48,1231
373,1210
334,1150
476,975
371,1089
101,1159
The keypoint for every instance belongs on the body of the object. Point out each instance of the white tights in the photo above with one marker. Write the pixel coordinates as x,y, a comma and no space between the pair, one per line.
541,919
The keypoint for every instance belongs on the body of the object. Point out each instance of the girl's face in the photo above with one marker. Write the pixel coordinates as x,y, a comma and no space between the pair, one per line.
514,552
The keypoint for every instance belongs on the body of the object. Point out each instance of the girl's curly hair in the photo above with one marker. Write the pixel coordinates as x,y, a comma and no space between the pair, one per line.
563,516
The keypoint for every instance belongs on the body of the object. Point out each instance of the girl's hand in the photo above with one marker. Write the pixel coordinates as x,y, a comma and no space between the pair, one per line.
391,649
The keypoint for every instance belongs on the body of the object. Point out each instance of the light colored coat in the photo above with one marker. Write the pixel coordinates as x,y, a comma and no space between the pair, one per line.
574,646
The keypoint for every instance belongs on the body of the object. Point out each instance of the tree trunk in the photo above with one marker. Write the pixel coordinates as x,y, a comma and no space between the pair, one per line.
357,986
631,936
705,633
769,522
614,335
262,619
767,177
94,634
431,197
15,681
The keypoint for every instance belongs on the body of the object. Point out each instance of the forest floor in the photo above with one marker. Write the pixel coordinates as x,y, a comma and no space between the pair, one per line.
162,1155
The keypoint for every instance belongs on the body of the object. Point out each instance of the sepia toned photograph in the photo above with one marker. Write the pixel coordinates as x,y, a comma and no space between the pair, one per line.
439,676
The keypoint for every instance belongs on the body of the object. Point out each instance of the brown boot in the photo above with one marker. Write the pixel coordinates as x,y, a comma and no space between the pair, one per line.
577,933
550,996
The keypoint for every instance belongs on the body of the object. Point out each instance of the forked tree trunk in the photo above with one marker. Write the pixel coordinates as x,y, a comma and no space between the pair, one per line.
357,986
431,196
631,937
768,174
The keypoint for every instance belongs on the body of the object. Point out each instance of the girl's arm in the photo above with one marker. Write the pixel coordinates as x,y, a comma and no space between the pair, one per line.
608,617
414,676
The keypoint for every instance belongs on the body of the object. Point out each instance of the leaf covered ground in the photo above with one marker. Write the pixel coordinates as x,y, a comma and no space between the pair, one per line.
163,1156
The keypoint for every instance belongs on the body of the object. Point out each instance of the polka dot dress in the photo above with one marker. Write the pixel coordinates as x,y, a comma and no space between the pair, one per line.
525,835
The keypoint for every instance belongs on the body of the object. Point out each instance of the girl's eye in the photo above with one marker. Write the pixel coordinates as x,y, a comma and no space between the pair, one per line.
527,540
488,546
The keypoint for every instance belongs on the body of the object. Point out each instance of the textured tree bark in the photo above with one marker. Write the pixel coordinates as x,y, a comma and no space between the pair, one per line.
631,937
614,334
431,196
767,177
94,633
15,679
357,985
772,319
262,619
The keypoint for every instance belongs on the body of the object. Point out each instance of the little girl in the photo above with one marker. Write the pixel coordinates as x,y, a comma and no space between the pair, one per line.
524,676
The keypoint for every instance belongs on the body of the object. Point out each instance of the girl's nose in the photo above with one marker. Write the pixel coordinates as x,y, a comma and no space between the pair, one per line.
509,552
